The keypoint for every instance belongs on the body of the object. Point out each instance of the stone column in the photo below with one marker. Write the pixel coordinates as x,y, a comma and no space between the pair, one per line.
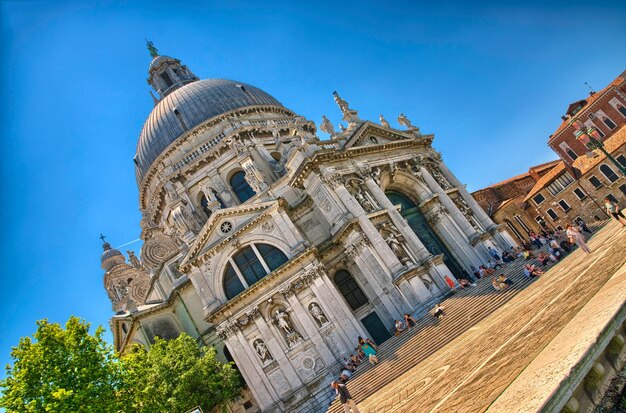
333,305
390,260
277,351
253,373
480,214
311,328
454,211
413,241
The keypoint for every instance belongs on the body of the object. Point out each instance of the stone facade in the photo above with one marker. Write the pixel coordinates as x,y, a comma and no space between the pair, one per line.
278,248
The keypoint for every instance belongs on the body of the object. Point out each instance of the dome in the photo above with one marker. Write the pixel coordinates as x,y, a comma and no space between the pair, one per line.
187,107
110,257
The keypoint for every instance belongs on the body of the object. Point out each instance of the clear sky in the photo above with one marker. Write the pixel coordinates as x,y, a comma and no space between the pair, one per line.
491,82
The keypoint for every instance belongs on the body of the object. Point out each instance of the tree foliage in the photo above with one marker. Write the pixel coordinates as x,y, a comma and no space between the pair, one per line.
69,370
175,376
61,370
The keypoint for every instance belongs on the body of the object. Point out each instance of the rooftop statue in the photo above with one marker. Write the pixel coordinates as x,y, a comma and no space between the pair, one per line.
383,121
403,120
153,50
327,126
343,105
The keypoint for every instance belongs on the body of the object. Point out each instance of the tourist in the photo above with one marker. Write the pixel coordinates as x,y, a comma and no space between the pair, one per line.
499,285
399,327
503,279
410,321
370,353
612,208
362,340
555,252
465,284
530,271
577,238
344,397
438,311
507,257
494,253
450,283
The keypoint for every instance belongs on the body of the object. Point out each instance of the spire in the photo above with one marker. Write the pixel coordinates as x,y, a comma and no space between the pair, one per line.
154,52
105,245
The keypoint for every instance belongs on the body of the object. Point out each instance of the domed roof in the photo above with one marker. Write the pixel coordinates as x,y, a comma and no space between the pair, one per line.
110,256
186,108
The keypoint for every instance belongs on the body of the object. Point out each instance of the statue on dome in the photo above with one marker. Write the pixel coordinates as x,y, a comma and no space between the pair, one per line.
153,50
327,126
383,121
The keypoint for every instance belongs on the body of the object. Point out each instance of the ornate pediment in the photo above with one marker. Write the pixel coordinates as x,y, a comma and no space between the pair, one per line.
370,134
225,226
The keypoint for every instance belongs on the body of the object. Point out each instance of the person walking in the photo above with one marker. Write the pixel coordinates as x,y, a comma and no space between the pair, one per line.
344,397
612,208
576,237
370,353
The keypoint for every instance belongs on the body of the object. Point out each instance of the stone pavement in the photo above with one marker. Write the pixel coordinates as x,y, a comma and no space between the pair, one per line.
471,371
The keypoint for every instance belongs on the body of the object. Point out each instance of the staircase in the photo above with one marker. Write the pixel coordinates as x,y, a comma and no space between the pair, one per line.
463,309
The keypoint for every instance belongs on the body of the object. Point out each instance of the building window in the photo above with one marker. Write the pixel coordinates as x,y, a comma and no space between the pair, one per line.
166,78
622,160
608,122
559,228
552,214
541,221
538,199
240,186
521,222
580,194
564,205
560,183
346,284
608,172
621,108
623,188
249,265
611,198
569,151
595,182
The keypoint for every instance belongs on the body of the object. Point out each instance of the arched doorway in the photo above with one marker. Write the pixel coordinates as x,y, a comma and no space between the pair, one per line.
356,299
419,225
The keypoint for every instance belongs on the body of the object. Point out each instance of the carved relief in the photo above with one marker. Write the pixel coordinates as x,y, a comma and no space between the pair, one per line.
268,226
155,250
326,205
395,241
356,188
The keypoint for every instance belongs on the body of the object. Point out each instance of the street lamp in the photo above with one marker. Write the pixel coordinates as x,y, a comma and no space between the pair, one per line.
590,137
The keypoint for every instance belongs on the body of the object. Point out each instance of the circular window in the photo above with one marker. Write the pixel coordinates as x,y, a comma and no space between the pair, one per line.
226,227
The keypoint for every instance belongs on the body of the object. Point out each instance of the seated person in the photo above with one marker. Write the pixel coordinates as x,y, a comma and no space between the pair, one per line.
507,257
504,280
345,375
566,246
543,258
555,251
485,272
497,285
438,311
465,284
409,321
399,327
530,271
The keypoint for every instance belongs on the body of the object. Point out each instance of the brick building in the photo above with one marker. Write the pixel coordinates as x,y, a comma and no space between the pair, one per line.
553,194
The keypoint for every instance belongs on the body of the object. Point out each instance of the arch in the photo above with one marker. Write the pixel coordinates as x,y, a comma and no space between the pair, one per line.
349,288
249,265
241,187
608,173
422,229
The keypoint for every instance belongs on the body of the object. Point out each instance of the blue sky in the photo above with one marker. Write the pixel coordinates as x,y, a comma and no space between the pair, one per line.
490,81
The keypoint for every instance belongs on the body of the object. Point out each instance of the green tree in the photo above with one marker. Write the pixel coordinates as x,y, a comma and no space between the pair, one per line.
175,376
62,370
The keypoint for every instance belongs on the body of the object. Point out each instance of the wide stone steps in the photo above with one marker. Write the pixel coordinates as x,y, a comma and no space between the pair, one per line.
463,310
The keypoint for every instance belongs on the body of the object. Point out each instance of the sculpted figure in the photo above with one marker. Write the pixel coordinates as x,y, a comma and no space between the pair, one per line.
327,126
318,314
343,105
342,128
283,321
383,121
396,247
403,120
365,203
262,351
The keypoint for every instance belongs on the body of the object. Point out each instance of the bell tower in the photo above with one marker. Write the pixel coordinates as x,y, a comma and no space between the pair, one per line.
167,74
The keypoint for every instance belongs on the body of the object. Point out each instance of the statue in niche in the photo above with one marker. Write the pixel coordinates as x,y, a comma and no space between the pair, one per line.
384,122
441,180
343,105
394,243
327,126
262,351
375,174
318,314
359,195
282,318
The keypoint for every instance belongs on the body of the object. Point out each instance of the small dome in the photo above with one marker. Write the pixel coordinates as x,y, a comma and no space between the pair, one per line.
187,107
110,257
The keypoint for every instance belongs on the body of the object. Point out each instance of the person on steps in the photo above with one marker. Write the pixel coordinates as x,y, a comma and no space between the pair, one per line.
344,397
576,237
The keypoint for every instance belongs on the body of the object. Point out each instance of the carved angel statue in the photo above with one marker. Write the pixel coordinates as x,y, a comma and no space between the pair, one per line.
134,260
327,126
396,247
403,120
282,318
383,121
365,203
262,351
343,105
342,128
318,314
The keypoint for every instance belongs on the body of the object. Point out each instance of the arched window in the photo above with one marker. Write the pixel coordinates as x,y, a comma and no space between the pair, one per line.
347,286
608,172
241,187
249,265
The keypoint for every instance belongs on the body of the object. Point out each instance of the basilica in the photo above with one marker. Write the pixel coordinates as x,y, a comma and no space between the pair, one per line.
278,248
